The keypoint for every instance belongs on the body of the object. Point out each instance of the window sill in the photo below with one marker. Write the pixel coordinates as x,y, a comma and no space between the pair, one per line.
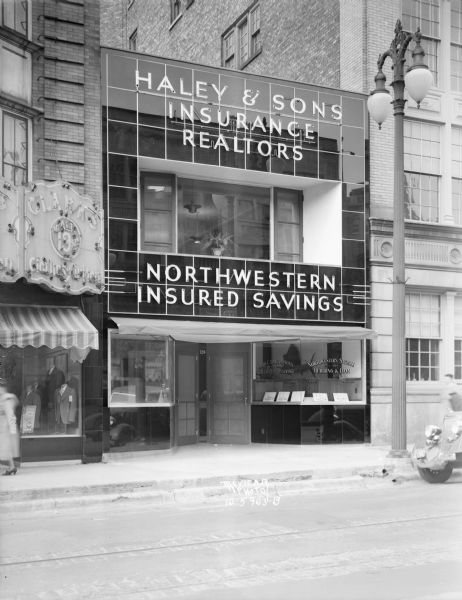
19,106
173,23
249,60
16,38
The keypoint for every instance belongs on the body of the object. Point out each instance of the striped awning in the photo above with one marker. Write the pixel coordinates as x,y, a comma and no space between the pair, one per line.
45,326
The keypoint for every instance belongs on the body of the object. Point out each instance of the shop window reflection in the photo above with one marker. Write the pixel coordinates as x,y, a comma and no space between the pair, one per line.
47,383
140,370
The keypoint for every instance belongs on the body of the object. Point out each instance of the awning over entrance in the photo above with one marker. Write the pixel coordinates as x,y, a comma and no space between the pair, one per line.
220,332
45,326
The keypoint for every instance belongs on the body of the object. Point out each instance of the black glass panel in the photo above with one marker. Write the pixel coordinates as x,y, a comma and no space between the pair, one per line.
353,111
259,424
123,170
276,425
122,303
283,277
307,133
280,101
258,157
235,304
309,99
330,307
233,90
133,429
122,137
123,265
353,141
152,142
180,300
257,94
353,312
207,301
283,305
151,75
329,137
353,169
311,425
121,71
176,269
122,234
329,166
153,300
353,225
176,150
123,202
204,151
353,253
308,165
121,105
353,421
233,155
257,304
329,107
205,271
155,260
352,277
291,424
151,110
352,197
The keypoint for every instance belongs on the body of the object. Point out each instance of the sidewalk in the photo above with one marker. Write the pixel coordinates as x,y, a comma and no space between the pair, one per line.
194,473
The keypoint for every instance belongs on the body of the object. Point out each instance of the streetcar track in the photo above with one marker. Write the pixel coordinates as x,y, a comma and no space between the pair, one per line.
221,542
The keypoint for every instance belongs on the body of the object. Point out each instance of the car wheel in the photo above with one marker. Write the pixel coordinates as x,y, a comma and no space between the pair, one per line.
436,475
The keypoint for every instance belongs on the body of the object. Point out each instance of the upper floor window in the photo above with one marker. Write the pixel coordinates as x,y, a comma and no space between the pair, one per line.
14,14
132,40
15,71
422,170
422,336
175,10
426,15
210,218
456,45
243,41
456,171
14,148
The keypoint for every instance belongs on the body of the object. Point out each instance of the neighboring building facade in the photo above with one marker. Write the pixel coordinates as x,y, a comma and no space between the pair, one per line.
51,240
335,44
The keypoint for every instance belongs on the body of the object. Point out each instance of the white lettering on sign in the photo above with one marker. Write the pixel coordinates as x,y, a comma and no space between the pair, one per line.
262,123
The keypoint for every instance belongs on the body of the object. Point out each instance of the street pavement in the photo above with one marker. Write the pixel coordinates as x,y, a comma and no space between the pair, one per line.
384,541
197,473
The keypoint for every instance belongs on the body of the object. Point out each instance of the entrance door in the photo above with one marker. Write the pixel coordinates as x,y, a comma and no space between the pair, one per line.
228,381
187,371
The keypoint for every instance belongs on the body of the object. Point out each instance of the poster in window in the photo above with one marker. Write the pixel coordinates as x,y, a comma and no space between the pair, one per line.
283,397
28,419
269,396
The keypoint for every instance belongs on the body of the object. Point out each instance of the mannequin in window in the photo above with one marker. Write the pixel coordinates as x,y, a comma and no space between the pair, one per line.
33,399
66,406
54,379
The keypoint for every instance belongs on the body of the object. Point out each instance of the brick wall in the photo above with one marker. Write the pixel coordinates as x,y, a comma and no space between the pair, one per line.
66,140
300,39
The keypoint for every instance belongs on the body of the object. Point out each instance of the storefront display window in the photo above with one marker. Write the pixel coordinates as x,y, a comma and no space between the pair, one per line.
140,371
47,383
308,371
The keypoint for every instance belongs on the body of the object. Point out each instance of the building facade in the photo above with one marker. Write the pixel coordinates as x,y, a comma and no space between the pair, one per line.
51,241
336,44
236,252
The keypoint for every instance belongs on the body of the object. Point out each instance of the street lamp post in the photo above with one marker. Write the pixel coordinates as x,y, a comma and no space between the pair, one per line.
417,80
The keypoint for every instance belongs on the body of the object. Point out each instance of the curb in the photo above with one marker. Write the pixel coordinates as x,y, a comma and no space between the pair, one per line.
225,489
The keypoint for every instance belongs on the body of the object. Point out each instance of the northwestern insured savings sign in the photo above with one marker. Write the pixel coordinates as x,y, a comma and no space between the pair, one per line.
198,286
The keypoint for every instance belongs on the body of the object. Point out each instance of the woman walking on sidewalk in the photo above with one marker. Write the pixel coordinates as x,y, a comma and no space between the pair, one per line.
9,436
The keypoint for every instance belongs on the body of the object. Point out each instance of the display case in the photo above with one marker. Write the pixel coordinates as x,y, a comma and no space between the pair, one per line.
308,392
